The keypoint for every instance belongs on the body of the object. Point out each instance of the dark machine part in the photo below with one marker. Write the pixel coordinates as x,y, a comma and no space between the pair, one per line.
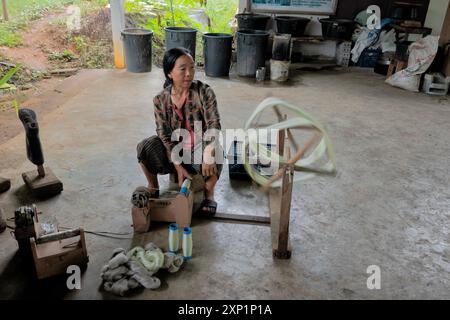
34,149
24,218
236,169
5,184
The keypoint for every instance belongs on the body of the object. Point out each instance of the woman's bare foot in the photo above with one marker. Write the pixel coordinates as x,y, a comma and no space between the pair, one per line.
210,184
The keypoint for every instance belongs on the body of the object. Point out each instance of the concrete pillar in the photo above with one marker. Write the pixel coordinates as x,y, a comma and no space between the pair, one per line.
445,38
118,23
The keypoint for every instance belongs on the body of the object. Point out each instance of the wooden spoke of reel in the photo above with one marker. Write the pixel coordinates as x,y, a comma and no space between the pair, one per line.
289,133
292,160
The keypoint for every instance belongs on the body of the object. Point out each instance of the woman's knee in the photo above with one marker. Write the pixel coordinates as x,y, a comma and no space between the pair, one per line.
146,147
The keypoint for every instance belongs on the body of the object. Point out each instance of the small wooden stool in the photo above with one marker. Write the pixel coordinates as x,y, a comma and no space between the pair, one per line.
396,66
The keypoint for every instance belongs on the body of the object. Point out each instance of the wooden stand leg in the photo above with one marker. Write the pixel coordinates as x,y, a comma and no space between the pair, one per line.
282,248
281,142
401,65
280,208
41,171
391,69
396,66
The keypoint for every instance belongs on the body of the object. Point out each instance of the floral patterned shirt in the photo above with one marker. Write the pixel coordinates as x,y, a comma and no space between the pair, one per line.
200,105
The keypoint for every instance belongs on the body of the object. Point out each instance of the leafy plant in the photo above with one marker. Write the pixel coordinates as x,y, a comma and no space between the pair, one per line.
98,55
220,14
165,13
9,74
80,43
8,38
67,55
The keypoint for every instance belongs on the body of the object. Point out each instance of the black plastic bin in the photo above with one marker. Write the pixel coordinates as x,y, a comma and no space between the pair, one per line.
337,28
181,37
137,45
236,167
217,54
251,51
252,21
295,26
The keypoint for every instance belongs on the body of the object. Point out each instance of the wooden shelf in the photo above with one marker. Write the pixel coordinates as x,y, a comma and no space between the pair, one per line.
412,30
316,39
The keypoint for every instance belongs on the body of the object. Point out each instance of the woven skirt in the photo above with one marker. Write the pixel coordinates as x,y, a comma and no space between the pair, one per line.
153,155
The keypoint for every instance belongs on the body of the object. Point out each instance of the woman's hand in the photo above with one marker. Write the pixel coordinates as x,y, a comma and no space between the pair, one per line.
182,173
209,167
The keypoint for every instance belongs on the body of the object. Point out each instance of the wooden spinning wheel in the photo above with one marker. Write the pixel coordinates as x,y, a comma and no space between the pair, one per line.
281,182
313,157
304,157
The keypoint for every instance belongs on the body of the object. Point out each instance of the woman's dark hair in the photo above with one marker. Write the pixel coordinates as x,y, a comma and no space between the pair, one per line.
170,57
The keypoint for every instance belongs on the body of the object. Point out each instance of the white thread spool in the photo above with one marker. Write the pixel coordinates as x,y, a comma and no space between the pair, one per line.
174,239
187,243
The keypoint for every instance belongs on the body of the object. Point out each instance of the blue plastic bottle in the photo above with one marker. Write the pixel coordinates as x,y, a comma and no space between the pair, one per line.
185,186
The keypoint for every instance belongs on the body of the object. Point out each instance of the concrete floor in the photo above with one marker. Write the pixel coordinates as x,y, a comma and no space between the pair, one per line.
388,206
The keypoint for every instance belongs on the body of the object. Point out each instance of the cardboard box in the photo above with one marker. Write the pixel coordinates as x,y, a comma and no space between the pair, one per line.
171,206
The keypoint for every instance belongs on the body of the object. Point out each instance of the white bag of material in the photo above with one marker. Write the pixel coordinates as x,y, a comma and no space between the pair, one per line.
421,55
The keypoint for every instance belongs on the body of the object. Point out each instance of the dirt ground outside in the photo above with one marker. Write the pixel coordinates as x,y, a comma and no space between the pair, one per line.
49,54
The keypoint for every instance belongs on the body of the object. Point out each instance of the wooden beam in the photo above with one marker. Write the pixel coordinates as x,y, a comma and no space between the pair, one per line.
242,218
58,236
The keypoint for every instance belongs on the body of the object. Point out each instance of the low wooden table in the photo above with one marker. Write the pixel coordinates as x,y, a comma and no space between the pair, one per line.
402,33
396,66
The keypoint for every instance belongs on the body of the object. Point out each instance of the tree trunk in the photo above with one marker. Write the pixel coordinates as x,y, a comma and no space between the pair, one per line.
5,10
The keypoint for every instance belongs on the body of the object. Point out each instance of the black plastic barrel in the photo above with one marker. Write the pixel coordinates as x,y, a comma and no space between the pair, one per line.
294,26
181,37
217,53
337,28
251,21
251,50
137,45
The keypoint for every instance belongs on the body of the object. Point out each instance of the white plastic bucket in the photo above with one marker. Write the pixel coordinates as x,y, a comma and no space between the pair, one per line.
279,70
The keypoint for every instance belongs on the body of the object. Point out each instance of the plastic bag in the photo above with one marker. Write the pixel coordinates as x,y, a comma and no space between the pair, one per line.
422,53
388,41
366,39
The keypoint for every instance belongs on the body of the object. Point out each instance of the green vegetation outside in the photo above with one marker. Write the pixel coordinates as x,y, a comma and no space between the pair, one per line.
23,11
